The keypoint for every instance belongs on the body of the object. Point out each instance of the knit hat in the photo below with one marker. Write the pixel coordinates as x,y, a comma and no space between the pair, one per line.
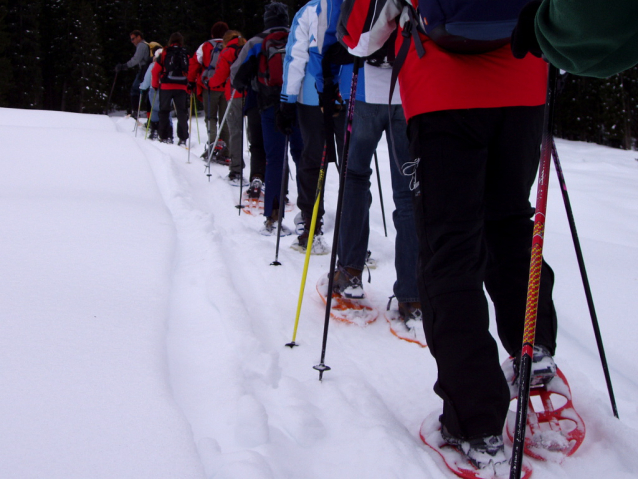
275,15
219,29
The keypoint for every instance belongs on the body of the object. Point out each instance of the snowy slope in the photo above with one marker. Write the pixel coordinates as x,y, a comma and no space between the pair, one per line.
142,328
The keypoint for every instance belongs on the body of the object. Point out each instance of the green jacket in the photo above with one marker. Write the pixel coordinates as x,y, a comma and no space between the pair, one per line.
596,38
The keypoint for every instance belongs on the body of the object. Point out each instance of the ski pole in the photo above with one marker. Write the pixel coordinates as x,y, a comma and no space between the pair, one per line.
137,119
240,206
311,237
282,200
527,353
108,102
583,274
322,367
376,165
219,132
190,127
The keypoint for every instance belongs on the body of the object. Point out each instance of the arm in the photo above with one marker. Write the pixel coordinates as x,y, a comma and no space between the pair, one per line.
297,55
245,67
142,53
157,70
589,37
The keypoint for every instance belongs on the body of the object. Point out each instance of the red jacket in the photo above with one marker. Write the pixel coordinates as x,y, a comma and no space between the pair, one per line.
442,80
200,63
158,69
222,71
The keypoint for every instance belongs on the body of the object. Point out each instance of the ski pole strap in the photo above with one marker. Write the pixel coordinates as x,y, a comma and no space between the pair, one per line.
409,33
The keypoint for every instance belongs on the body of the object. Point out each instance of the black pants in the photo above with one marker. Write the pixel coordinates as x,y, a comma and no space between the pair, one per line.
180,99
476,169
256,139
311,124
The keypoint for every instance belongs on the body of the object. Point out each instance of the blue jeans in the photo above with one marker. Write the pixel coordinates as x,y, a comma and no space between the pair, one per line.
274,144
369,123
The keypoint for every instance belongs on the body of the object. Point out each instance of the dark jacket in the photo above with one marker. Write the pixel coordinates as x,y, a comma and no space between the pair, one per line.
589,37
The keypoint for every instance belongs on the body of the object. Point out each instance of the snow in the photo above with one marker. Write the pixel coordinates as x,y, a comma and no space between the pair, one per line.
143,330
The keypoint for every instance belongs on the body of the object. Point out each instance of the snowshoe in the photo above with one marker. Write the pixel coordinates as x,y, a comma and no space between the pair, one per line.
236,180
254,192
319,245
482,458
406,322
352,311
554,428
271,224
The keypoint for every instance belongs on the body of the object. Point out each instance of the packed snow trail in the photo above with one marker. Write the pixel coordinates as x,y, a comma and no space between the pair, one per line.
184,373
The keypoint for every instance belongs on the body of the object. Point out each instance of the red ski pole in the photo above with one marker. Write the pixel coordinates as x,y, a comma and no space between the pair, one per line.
527,353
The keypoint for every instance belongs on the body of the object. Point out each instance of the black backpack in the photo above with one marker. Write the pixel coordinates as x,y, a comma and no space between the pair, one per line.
175,66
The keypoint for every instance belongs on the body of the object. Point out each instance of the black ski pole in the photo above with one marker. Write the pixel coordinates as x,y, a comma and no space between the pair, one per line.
108,102
583,274
240,206
527,352
322,367
376,165
282,201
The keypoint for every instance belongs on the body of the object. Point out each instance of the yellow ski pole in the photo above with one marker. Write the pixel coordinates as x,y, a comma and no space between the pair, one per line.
311,236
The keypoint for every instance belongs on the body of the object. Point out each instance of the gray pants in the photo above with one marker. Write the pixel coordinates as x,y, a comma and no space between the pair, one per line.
215,107
234,121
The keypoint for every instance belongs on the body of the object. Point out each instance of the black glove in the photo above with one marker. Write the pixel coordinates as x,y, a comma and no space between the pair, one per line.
331,97
285,117
524,39
120,67
192,85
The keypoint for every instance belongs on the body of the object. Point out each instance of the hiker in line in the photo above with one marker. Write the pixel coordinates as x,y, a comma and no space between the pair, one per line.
308,40
232,45
250,70
202,68
141,59
475,145
153,95
170,76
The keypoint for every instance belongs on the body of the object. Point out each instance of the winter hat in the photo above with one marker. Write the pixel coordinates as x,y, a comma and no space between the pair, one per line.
218,30
275,15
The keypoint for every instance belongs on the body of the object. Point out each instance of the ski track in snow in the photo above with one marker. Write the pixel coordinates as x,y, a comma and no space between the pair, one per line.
255,407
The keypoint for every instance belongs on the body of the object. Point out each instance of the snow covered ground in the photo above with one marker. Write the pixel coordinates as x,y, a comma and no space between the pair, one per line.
142,328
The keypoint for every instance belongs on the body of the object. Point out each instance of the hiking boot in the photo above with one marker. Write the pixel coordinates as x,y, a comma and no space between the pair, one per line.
411,314
302,239
543,366
153,134
254,192
234,179
181,143
347,283
319,245
166,140
482,452
271,224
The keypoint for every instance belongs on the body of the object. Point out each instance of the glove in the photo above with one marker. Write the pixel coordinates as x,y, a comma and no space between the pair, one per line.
192,85
285,117
524,39
332,97
120,67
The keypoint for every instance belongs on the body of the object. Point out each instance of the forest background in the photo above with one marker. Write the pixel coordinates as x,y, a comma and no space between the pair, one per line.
60,55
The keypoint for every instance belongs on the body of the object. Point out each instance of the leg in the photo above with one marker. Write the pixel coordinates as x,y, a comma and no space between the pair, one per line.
509,229
257,151
406,244
234,121
274,143
449,210
368,124
180,97
164,113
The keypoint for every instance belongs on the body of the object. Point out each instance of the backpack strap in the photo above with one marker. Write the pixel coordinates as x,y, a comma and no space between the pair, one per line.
410,32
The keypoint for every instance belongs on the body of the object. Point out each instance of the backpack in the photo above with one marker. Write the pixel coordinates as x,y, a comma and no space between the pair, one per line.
470,26
175,65
270,69
214,58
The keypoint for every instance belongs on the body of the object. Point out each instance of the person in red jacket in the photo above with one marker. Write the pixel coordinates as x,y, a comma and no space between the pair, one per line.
233,42
170,76
474,125
202,68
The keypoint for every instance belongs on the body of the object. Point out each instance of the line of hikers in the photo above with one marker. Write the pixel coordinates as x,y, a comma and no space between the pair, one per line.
465,122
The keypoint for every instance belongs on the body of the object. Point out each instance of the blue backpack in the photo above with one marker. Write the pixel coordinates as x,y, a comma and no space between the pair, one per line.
470,26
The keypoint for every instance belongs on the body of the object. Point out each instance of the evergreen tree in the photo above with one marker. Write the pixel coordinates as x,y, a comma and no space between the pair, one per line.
23,27
6,76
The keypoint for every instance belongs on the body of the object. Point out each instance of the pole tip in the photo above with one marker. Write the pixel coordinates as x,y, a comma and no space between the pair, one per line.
275,263
291,344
